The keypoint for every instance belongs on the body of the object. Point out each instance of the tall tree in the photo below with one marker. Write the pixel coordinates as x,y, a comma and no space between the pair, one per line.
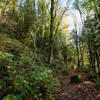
51,32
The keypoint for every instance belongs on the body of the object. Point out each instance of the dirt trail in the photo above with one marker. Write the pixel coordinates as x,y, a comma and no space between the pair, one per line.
83,91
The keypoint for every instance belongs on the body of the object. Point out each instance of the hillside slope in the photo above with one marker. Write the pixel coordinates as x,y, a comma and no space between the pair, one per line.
22,76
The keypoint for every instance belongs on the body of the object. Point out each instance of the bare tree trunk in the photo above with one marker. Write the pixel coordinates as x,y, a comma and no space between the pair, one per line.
42,28
82,58
35,27
51,57
78,59
82,54
51,33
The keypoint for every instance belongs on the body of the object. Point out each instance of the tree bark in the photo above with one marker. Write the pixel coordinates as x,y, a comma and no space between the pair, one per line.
51,33
78,59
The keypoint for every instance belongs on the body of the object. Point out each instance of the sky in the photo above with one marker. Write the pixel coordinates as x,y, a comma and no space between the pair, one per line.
72,15
71,12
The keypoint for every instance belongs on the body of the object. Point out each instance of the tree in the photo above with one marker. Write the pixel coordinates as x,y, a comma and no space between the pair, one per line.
51,32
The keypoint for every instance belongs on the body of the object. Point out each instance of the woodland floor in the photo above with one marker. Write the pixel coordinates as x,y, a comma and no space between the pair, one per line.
82,91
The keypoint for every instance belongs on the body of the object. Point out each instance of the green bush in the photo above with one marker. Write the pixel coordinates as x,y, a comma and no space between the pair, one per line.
61,68
84,68
38,83
26,78
22,74
5,58
29,42
11,97
76,79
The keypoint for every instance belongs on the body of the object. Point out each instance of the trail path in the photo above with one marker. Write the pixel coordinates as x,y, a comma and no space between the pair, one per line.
83,91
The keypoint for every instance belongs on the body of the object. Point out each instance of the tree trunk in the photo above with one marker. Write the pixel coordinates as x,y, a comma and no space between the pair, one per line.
97,59
42,28
51,33
92,57
82,55
78,58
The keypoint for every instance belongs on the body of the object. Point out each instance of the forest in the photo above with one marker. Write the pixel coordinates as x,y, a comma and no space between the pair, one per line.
49,49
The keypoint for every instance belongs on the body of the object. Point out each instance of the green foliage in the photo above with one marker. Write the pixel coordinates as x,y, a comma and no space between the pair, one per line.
59,67
6,60
28,22
28,42
38,82
10,45
76,79
44,82
63,70
5,57
97,81
84,69
11,97
23,75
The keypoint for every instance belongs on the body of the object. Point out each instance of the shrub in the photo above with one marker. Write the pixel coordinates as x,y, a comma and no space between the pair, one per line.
12,46
76,79
61,68
6,60
12,97
26,78
23,75
29,42
84,68
38,83
6,63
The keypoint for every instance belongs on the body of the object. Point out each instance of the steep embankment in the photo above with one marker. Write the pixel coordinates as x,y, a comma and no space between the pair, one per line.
22,75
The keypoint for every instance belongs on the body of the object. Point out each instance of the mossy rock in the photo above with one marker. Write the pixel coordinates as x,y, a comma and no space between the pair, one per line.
76,79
